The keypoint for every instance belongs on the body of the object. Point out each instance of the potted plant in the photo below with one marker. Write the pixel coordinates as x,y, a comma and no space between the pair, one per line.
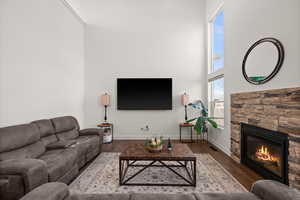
203,119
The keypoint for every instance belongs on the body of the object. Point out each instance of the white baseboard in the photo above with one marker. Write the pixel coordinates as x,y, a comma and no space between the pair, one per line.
221,147
142,137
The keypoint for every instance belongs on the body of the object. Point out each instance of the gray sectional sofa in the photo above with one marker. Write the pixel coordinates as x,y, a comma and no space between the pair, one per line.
44,151
261,190
39,158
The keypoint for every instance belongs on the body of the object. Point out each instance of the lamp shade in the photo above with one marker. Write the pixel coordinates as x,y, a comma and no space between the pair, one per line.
105,99
185,99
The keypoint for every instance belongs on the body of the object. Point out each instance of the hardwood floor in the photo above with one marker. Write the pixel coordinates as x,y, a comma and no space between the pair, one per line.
243,174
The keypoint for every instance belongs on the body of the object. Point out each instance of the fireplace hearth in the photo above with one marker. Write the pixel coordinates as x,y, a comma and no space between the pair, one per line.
265,151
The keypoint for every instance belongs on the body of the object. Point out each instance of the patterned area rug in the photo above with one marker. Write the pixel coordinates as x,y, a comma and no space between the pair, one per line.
102,176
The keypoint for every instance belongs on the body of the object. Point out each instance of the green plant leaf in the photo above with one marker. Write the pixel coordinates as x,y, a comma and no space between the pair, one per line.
204,113
201,123
212,122
199,126
190,120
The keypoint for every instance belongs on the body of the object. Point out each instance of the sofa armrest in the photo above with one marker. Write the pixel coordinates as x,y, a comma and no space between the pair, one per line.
273,190
48,191
91,131
62,144
33,171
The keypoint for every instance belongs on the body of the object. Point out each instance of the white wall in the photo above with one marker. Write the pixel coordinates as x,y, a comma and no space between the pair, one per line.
245,22
41,61
142,38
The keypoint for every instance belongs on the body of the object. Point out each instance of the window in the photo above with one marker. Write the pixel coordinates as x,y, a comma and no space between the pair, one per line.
216,101
216,67
218,42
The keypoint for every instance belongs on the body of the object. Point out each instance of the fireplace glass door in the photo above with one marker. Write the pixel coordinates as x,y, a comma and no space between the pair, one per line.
265,153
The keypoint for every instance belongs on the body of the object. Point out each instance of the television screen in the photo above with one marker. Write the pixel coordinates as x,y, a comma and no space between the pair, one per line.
144,93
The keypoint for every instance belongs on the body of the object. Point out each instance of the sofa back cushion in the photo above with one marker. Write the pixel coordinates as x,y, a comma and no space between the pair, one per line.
20,141
66,128
14,137
47,131
34,150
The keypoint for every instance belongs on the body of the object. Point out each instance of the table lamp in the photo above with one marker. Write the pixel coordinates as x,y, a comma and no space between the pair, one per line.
105,100
185,102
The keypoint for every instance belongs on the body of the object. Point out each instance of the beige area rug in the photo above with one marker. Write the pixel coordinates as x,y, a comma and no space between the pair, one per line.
102,176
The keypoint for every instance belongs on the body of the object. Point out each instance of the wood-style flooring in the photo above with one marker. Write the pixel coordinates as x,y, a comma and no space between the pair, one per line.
243,174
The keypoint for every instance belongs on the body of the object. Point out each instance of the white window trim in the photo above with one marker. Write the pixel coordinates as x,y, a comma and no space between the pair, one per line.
211,76
215,75
219,9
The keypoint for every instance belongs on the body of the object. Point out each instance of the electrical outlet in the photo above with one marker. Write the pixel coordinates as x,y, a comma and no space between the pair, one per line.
146,128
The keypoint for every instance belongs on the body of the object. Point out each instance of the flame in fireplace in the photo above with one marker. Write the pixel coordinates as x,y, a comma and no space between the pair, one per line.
263,153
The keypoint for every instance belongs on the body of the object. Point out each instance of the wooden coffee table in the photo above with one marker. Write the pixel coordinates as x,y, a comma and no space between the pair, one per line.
181,155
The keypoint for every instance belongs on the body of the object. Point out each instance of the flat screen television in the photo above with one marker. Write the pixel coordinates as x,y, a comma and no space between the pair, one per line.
144,93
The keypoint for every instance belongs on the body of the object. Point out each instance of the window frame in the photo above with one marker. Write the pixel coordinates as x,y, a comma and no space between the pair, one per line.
210,100
218,74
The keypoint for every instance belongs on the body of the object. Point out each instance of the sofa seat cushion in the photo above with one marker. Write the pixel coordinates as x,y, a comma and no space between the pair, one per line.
226,196
115,196
162,196
59,162
86,144
49,139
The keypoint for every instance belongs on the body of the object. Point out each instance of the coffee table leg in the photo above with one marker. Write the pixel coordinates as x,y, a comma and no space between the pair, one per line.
180,133
123,167
120,172
191,134
195,175
191,172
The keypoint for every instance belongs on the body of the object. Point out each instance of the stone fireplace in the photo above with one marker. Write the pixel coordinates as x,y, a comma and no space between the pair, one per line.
274,110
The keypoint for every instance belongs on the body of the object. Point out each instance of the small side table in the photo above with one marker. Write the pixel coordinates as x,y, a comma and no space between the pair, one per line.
186,125
107,126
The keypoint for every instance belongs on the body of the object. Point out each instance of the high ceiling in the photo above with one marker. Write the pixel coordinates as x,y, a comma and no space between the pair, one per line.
118,12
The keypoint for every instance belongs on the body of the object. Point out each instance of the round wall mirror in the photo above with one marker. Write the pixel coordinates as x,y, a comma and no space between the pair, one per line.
263,60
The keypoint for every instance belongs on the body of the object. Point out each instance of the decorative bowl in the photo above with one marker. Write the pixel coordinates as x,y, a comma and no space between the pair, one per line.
154,149
154,145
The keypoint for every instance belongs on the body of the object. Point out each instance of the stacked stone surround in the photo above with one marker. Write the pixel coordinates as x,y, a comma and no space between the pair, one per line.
277,110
